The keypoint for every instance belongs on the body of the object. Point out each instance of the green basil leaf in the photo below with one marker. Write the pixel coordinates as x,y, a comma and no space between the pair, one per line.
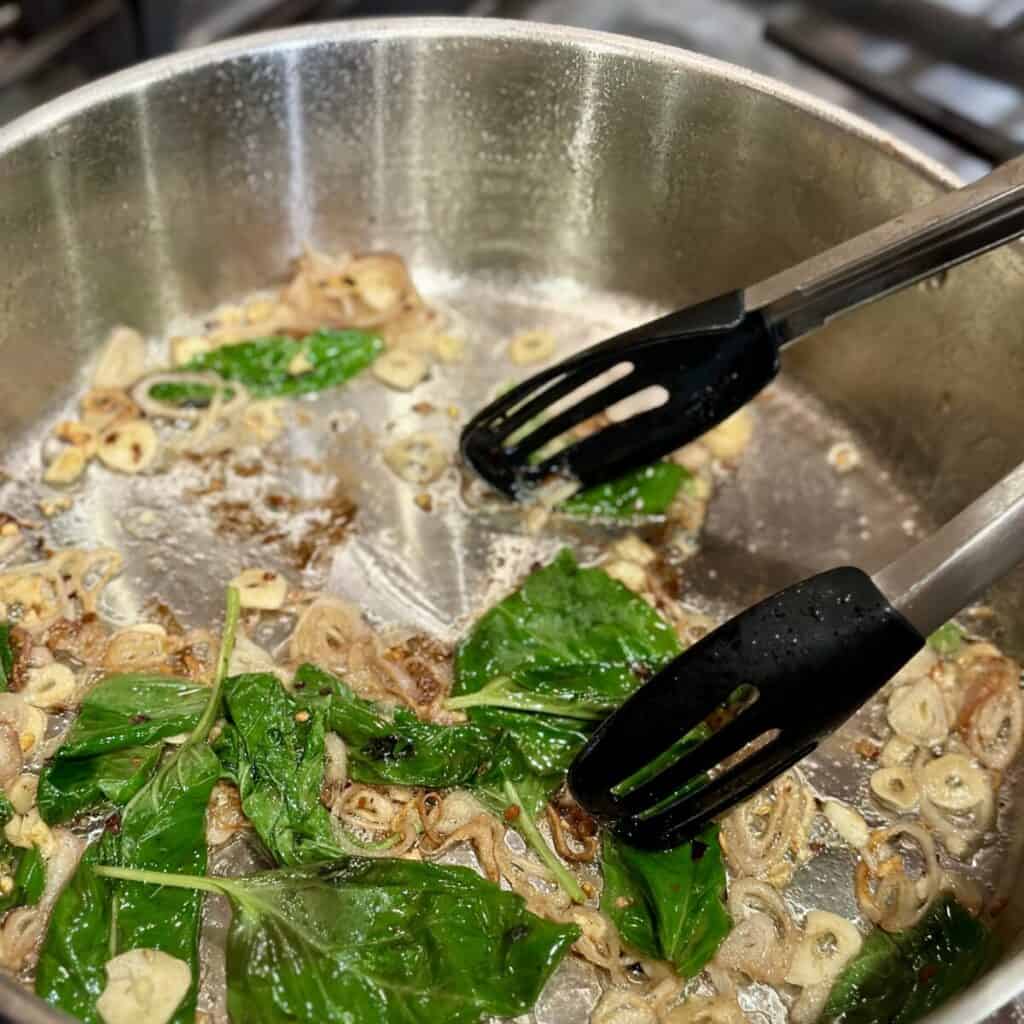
647,491
393,746
30,878
70,973
262,365
189,394
569,633
162,829
71,786
27,870
899,978
277,762
668,904
6,656
133,710
389,941
946,640
544,744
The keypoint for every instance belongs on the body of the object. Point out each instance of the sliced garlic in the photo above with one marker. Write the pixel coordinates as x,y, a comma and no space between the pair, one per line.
259,310
400,370
847,822
144,986
300,363
954,783
261,588
620,1006
184,350
919,665
633,549
629,574
123,360
248,656
102,407
828,944
449,349
896,788
335,765
137,648
28,830
380,281
81,435
707,1010
50,686
897,753
918,713
531,347
11,759
419,458
230,316
730,438
27,721
263,419
844,457
128,447
67,467
22,792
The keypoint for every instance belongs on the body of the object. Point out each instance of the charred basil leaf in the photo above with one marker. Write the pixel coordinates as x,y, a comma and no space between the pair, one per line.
393,746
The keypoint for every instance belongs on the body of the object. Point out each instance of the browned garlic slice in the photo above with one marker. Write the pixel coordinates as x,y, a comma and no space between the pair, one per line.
262,589
128,447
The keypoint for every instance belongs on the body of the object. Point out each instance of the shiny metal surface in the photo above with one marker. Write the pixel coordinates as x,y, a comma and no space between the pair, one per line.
926,241
939,577
534,177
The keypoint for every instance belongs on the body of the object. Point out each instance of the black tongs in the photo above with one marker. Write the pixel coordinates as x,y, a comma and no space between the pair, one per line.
782,675
709,359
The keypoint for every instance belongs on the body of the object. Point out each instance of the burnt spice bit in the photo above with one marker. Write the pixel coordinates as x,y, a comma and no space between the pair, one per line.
388,748
697,849
139,719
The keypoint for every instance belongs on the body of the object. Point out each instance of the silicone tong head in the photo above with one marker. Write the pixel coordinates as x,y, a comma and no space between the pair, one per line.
740,706
704,363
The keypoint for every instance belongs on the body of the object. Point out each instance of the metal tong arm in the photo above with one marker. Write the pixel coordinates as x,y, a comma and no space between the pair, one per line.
943,574
913,246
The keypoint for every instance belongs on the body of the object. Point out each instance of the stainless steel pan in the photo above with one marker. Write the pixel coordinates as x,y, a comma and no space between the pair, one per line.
532,175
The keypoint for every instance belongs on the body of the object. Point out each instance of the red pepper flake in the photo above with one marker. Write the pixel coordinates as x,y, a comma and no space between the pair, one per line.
927,973
512,813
